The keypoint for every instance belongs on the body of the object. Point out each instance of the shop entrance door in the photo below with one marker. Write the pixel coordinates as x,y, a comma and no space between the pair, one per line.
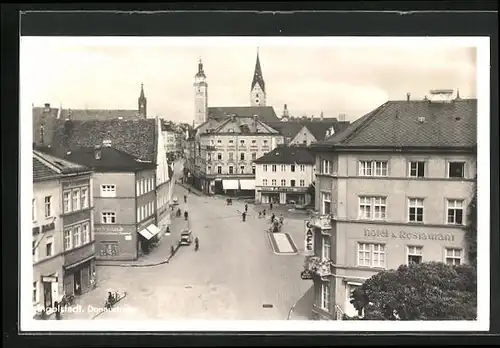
77,281
47,294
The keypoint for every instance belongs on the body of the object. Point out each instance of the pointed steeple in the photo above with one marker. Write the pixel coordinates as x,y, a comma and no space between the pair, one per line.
142,92
142,103
257,75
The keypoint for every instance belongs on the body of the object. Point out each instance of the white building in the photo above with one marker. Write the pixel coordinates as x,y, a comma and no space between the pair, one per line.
284,175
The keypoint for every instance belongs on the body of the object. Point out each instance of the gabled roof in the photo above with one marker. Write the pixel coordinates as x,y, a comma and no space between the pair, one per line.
111,160
237,125
46,167
287,155
264,113
318,129
135,137
412,124
287,129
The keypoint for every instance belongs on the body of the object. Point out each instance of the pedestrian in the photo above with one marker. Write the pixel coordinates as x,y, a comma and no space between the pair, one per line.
57,307
264,213
246,208
281,218
172,250
272,218
271,206
244,216
185,199
260,214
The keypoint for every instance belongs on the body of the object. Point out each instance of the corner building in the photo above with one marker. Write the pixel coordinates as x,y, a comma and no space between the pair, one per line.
391,189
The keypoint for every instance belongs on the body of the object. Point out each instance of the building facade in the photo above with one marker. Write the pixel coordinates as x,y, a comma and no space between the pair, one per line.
392,189
63,239
284,175
224,152
124,201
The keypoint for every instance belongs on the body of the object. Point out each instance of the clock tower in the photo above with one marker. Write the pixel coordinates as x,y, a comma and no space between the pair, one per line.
142,103
200,96
258,87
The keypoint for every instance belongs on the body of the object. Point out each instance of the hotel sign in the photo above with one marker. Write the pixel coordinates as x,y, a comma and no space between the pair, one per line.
385,234
110,230
48,227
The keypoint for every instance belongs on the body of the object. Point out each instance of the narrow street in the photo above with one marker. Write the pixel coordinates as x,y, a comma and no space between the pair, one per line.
233,275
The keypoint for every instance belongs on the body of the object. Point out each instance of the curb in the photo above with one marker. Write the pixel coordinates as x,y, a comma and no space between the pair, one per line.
167,260
273,242
194,191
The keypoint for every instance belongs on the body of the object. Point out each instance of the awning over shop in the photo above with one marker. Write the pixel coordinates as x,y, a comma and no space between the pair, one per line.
153,229
78,263
146,234
230,184
247,184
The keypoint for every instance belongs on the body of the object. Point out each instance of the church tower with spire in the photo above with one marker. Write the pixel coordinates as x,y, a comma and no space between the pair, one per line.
142,103
258,88
200,96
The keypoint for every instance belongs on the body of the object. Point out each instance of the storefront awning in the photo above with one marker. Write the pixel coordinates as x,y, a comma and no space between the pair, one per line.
78,263
230,184
153,229
146,234
247,184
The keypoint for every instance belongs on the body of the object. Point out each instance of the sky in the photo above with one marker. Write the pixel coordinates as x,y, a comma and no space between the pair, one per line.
309,76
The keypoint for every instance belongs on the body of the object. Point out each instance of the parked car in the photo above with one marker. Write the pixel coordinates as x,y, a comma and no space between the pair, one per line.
186,237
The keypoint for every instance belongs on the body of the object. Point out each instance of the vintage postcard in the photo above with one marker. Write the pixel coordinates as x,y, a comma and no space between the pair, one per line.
254,183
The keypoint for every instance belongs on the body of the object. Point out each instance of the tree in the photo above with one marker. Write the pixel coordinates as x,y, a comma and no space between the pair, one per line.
471,228
424,291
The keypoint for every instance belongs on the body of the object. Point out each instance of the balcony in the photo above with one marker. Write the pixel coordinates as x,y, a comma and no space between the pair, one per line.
315,266
323,222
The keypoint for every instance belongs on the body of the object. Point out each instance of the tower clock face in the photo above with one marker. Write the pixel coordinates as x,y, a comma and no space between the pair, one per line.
257,101
199,91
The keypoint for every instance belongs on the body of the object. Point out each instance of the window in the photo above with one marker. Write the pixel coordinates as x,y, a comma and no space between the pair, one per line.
254,156
68,240
77,236
453,257
417,169
325,296
254,141
264,167
456,169
66,201
292,183
33,209
48,206
231,141
415,210
302,168
242,142
209,169
211,142
219,169
264,142
35,292
85,233
231,156
414,254
253,170
110,190
371,255
325,167
302,183
326,198
455,211
264,182
292,167
109,249
108,217
283,182
219,156
373,168
142,214
283,167
242,156
48,246
230,169
219,141
273,167
325,250
85,197
35,251
75,199
372,208
242,169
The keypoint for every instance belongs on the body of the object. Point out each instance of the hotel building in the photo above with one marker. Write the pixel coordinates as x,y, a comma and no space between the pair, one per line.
392,189
63,240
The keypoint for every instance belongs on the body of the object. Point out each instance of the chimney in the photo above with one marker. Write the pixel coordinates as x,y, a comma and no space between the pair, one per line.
69,114
342,117
408,96
321,116
458,95
285,111
97,152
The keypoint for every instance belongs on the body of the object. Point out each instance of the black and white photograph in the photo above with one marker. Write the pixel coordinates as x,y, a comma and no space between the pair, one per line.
254,183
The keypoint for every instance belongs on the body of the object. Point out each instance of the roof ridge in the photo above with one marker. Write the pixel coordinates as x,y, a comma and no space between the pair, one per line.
369,118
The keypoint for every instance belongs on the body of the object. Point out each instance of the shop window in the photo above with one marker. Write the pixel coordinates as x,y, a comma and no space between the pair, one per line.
109,249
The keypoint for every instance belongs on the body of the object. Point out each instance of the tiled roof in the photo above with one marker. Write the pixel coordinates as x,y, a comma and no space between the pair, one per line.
287,129
287,155
46,166
239,125
265,113
318,129
412,124
135,137
111,159
46,119
99,114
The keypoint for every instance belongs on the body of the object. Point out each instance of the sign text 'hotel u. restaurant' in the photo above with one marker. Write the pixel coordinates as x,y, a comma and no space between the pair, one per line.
384,233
